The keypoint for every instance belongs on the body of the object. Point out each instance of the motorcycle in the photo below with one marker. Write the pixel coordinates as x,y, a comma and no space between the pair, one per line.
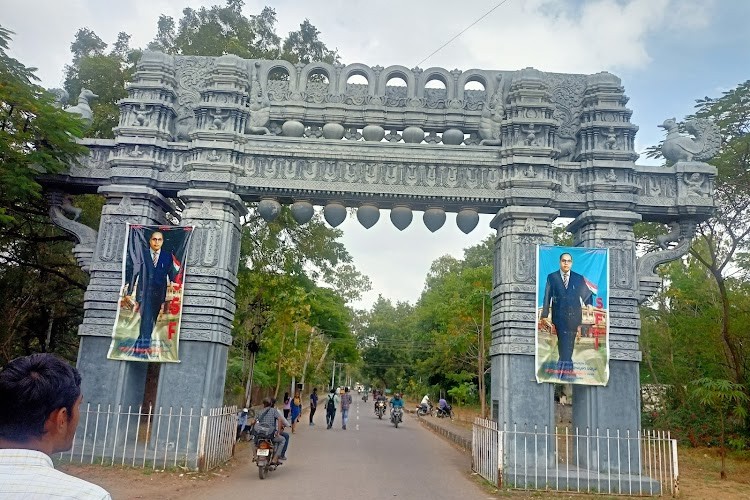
444,413
264,448
364,397
397,415
380,409
424,410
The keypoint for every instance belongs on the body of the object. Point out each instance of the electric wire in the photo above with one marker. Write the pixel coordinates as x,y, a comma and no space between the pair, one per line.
463,31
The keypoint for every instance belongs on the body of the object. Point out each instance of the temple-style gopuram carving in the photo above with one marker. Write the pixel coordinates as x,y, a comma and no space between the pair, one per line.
531,147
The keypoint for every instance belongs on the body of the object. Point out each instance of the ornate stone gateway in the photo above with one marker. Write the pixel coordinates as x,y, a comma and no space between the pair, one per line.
200,136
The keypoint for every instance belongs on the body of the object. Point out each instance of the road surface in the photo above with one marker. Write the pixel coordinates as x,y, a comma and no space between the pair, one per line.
371,460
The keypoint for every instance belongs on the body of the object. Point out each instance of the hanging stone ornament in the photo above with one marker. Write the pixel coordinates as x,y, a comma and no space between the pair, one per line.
401,217
368,215
373,133
434,218
453,137
467,219
269,209
333,131
292,128
413,135
302,211
334,213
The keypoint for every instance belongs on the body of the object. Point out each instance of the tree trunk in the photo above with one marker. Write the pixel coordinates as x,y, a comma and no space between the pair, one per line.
735,364
278,367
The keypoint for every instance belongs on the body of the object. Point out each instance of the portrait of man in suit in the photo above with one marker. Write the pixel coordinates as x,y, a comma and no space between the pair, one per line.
156,273
565,294
153,274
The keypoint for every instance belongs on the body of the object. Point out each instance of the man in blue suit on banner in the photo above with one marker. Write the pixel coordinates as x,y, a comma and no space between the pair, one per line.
566,292
157,269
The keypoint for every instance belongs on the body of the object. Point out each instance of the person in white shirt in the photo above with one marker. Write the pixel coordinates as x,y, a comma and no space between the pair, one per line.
41,397
425,404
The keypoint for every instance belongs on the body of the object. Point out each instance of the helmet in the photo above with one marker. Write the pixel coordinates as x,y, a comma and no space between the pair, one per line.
244,410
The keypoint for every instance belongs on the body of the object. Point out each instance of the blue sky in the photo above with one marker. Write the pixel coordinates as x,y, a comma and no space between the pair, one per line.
667,52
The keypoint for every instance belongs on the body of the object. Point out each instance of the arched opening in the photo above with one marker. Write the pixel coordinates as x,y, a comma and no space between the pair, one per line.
396,91
317,86
475,94
357,88
279,74
435,92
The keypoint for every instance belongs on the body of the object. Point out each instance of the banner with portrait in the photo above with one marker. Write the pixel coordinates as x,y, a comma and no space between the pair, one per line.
149,306
572,315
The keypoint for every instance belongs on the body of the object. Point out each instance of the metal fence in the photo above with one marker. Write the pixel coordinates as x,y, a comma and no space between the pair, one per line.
608,462
157,438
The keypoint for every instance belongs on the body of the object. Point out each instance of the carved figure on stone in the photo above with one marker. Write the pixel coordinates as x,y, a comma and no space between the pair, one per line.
489,127
610,141
141,115
702,147
260,108
217,121
674,235
82,108
611,176
567,147
530,132
695,184
68,208
530,172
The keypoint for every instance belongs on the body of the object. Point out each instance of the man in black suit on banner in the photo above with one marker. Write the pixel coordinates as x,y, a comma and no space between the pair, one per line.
566,293
155,272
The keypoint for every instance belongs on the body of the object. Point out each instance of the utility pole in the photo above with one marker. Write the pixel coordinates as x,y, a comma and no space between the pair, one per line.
333,376
294,378
480,370
307,357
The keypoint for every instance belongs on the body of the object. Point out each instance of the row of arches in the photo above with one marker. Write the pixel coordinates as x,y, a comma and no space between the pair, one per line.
377,80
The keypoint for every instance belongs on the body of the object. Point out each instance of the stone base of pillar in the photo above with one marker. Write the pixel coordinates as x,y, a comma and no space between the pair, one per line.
197,381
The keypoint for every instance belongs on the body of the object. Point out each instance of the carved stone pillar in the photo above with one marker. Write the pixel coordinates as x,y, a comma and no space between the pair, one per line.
616,407
518,401
107,381
209,304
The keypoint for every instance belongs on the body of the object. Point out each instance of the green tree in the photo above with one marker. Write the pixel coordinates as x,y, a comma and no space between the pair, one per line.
305,46
39,281
727,400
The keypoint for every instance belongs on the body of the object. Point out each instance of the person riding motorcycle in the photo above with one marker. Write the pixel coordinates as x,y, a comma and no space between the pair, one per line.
396,402
443,406
425,404
380,398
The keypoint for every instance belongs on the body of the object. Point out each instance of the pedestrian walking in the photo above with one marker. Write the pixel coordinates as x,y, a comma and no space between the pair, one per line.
346,401
296,407
287,405
313,404
331,403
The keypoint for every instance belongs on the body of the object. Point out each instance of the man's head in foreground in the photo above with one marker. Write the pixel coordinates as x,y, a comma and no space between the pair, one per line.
41,396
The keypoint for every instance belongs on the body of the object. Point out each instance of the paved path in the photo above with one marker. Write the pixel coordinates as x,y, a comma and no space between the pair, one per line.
371,460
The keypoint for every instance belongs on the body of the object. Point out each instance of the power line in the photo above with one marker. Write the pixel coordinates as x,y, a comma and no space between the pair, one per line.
463,31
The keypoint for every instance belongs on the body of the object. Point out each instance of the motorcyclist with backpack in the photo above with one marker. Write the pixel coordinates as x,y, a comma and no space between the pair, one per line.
332,402
268,425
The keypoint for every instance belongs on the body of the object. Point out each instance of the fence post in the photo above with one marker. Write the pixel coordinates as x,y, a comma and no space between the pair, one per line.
202,443
675,470
500,440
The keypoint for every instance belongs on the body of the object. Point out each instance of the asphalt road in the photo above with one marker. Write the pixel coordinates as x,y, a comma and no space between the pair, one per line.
371,460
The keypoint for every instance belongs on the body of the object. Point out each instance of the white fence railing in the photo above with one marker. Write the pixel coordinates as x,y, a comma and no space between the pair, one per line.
156,438
605,462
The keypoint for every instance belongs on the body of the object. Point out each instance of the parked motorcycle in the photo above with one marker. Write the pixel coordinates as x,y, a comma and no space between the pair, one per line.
264,448
380,409
424,410
397,415
444,413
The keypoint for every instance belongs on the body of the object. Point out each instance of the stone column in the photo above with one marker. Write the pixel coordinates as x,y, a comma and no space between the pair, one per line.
522,403
106,381
616,407
209,304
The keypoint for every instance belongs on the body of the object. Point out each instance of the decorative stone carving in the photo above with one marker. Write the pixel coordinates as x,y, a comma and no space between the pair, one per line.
401,217
434,218
649,282
368,215
334,213
84,235
704,146
259,107
82,108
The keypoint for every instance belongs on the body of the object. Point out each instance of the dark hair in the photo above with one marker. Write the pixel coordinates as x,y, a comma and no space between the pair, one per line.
564,254
31,388
267,401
